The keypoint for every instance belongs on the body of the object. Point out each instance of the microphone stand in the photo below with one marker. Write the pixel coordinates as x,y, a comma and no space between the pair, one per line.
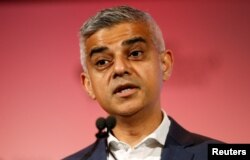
110,123
108,147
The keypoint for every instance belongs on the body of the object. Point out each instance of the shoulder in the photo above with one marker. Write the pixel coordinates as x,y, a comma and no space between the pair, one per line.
184,137
199,147
193,143
79,154
93,150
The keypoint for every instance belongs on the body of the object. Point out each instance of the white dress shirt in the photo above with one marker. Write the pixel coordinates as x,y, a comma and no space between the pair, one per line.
149,148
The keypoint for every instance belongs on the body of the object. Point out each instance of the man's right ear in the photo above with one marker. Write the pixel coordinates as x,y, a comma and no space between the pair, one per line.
87,85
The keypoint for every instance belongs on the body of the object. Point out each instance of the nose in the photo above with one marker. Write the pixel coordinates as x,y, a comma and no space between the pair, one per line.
121,67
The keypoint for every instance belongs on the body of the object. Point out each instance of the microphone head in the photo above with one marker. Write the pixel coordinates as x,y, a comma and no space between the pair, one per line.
100,123
110,122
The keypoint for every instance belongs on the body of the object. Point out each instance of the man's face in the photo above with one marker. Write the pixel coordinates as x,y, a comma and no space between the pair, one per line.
125,70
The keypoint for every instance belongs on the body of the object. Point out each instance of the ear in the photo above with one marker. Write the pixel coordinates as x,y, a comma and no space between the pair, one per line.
167,61
87,84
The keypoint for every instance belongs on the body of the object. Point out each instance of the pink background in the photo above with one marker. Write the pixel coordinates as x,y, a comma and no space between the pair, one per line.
44,112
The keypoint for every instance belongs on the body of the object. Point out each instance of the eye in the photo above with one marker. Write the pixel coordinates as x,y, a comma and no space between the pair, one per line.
101,63
135,54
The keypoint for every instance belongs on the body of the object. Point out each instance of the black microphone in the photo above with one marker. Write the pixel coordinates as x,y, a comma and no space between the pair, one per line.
101,124
110,123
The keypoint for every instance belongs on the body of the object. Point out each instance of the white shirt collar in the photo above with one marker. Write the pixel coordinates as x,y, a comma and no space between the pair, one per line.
159,134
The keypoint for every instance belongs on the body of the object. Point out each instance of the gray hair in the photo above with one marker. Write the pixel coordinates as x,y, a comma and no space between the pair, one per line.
116,15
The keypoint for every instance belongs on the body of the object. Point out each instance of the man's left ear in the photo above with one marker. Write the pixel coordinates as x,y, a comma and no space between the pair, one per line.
167,62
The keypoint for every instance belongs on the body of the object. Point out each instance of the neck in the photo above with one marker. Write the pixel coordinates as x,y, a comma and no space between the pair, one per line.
132,130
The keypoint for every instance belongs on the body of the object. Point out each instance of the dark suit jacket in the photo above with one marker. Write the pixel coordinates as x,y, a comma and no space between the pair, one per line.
180,145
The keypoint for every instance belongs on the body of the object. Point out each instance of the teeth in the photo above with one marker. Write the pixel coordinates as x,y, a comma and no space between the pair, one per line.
124,90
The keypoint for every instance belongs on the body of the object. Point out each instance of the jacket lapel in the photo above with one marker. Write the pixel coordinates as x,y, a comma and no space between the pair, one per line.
177,140
100,152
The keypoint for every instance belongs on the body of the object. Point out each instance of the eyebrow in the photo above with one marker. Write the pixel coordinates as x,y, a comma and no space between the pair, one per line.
130,41
133,41
97,50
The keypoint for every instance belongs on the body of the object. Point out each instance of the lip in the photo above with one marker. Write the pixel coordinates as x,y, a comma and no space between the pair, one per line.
125,90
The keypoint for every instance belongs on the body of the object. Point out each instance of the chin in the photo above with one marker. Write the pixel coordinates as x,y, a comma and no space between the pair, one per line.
129,112
125,108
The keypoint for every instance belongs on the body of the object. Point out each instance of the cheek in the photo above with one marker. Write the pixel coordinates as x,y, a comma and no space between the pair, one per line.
153,77
152,70
100,87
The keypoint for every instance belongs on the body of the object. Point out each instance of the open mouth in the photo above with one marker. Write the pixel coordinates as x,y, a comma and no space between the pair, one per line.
122,89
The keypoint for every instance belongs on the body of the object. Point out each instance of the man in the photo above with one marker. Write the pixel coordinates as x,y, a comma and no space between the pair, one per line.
125,63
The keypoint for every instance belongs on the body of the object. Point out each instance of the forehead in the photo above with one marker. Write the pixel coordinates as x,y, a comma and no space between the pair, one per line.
116,34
